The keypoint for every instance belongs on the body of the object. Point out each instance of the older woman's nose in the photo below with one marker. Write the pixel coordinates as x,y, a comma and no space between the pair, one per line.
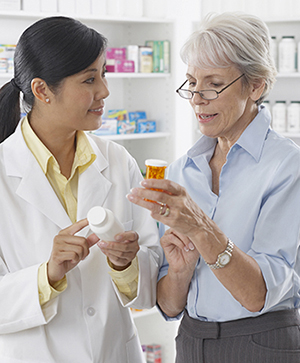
197,99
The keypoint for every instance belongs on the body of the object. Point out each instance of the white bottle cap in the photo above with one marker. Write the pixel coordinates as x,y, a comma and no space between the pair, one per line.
96,215
155,162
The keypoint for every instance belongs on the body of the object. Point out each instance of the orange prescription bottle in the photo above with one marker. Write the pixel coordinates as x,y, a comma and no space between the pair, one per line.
155,168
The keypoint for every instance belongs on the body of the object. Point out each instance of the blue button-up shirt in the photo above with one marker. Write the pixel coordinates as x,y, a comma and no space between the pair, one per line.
258,208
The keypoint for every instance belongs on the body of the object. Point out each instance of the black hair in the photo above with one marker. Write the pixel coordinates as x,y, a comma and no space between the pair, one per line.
52,49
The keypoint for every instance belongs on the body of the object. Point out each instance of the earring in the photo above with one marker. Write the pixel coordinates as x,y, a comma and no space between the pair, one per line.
47,100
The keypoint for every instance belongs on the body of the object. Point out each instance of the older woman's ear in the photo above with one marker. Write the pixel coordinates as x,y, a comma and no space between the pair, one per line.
256,89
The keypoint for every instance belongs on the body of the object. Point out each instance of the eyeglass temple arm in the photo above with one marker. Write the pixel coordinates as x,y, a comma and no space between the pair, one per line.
230,84
181,85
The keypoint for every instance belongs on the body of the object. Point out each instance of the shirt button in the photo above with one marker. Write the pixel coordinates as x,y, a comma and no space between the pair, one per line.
91,311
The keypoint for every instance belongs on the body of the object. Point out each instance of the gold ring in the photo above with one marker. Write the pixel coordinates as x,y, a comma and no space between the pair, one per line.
164,210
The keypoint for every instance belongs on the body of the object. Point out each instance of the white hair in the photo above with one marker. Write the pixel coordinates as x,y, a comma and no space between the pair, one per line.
233,39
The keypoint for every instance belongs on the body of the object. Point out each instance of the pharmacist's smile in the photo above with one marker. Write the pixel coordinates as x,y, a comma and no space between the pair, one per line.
98,110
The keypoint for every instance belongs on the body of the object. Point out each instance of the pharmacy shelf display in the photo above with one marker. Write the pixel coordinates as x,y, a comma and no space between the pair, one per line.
287,85
153,93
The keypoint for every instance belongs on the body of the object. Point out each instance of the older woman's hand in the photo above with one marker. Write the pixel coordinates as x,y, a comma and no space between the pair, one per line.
184,215
180,252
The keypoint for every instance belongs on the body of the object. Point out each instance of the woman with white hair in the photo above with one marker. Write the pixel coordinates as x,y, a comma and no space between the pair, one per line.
229,209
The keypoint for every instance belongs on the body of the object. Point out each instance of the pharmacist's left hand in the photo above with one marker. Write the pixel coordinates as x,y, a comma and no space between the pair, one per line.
122,252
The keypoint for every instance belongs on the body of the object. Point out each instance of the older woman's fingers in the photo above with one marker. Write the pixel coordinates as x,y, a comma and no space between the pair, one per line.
164,185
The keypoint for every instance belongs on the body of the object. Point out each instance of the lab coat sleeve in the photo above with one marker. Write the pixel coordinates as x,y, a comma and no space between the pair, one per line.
19,303
150,255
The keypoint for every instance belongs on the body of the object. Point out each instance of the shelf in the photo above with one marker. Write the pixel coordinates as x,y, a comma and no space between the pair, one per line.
282,20
136,75
143,313
39,15
288,75
291,135
150,135
117,75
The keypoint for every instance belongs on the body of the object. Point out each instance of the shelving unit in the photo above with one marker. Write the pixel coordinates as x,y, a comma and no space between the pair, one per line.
287,86
159,332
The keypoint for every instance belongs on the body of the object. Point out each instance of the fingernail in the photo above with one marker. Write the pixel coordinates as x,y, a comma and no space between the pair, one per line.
129,196
102,244
186,248
191,246
144,183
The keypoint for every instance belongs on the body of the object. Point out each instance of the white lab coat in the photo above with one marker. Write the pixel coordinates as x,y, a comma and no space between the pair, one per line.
88,322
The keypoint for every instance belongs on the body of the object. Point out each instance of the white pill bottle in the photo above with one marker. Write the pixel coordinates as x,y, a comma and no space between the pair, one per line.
104,223
279,116
287,55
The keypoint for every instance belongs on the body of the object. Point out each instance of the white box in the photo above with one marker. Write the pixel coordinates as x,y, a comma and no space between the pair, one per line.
133,54
48,6
83,7
98,8
31,5
67,6
11,5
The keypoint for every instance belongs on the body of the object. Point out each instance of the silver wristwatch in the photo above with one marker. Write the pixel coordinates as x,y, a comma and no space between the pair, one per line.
223,258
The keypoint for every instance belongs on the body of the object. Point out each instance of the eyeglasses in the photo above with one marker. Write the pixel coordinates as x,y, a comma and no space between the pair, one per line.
208,94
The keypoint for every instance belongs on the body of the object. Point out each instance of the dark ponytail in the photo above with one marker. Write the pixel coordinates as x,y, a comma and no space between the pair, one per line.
9,110
51,49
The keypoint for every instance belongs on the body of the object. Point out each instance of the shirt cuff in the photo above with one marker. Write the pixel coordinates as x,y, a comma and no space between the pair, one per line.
46,291
126,280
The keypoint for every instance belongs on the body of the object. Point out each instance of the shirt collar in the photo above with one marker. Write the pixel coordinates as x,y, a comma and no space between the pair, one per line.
35,145
84,152
251,140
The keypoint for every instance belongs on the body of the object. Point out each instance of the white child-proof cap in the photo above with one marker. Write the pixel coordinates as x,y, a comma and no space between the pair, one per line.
96,215
156,162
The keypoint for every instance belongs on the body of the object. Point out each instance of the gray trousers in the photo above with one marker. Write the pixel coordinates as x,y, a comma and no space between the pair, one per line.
270,338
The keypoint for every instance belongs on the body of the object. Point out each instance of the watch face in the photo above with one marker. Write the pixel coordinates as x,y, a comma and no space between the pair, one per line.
224,258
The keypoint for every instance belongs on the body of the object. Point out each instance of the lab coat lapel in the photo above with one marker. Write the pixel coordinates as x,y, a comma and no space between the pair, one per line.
93,186
36,190
34,187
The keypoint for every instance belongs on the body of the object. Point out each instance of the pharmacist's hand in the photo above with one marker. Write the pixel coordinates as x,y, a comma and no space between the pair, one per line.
122,252
68,250
180,252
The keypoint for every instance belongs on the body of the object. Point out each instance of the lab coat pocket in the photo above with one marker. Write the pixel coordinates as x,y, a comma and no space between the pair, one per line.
134,351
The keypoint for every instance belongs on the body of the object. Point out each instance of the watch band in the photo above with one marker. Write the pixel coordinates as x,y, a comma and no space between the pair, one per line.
228,252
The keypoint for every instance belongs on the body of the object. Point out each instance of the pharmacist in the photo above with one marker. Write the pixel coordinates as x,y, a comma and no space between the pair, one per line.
62,299
233,207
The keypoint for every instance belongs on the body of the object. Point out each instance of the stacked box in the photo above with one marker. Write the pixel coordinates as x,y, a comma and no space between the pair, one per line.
108,127
7,52
137,115
133,54
145,59
154,353
124,66
124,126
119,115
161,55
113,55
146,126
